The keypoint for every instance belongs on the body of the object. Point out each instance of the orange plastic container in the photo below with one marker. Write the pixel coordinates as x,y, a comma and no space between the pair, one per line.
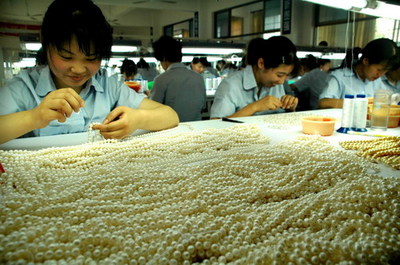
134,85
323,126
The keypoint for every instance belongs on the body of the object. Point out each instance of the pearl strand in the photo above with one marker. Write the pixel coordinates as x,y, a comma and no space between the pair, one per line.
385,150
215,196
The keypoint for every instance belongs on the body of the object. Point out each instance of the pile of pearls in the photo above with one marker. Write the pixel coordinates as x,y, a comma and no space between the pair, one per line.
211,197
94,135
385,150
285,121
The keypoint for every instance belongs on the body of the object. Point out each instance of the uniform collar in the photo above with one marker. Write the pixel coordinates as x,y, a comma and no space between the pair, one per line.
249,81
176,65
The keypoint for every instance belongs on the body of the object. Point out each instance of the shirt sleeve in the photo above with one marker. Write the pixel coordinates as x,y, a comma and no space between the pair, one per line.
303,83
223,105
127,96
333,89
15,96
158,91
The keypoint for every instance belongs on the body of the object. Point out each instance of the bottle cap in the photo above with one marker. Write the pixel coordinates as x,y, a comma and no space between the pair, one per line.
348,96
360,96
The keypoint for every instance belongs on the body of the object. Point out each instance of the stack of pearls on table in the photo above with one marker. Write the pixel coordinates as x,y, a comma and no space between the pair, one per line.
285,121
206,197
385,150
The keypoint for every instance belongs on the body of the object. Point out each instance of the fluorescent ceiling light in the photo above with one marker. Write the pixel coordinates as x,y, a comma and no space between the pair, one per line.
269,35
344,4
304,54
187,59
383,10
33,46
25,62
234,59
211,51
334,56
122,48
368,7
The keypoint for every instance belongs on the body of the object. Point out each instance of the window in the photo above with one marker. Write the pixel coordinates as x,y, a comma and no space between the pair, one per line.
272,17
222,24
341,28
183,29
248,20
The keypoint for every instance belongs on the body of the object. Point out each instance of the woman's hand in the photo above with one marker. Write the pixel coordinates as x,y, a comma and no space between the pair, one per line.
267,103
119,123
57,105
289,102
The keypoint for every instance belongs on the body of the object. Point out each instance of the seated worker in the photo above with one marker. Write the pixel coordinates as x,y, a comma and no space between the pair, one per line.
178,87
198,65
148,73
310,86
129,70
258,89
71,91
391,79
360,76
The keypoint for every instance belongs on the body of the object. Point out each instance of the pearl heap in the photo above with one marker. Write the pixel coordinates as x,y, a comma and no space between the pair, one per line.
285,121
385,150
211,197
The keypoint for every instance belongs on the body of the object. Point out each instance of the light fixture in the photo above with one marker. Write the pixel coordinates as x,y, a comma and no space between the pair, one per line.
211,51
303,54
343,4
25,62
334,56
211,48
123,48
368,7
32,46
127,46
383,10
188,59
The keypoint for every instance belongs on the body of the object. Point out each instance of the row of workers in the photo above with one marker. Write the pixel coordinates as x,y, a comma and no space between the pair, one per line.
71,91
260,87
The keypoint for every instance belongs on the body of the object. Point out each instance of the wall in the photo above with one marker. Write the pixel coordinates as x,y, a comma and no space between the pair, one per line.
302,20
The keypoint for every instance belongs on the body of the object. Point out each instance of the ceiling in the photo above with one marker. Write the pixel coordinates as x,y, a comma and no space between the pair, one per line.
132,19
32,11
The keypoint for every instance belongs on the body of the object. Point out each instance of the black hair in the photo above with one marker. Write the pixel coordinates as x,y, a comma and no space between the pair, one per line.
195,60
322,62
205,62
128,67
396,62
323,43
310,61
202,60
143,64
351,58
80,18
223,62
40,57
274,51
168,49
380,51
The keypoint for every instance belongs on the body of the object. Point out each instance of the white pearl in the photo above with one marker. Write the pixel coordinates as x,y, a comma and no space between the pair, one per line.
216,196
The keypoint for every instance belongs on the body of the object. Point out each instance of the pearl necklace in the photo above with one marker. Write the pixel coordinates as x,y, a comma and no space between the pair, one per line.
385,150
212,196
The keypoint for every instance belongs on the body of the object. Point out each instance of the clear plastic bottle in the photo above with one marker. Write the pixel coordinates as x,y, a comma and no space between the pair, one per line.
380,110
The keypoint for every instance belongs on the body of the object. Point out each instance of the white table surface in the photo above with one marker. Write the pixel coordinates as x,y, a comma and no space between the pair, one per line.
276,135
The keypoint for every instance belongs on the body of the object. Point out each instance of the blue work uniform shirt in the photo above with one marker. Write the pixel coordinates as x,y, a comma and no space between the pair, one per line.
395,88
101,95
344,81
239,90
